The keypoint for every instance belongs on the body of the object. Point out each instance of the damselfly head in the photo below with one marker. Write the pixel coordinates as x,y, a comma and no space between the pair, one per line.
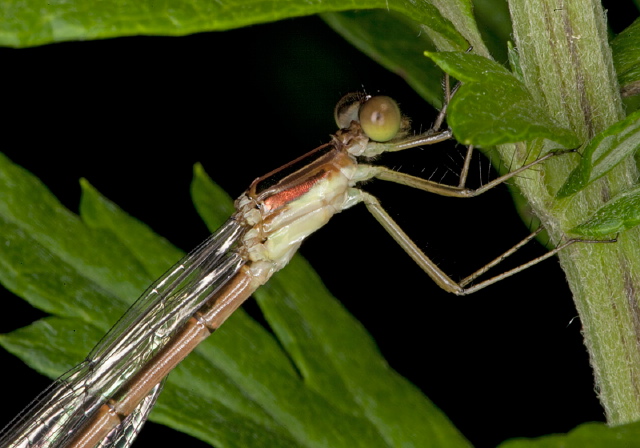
379,116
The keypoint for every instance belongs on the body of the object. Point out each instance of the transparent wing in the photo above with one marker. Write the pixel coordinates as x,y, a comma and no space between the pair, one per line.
145,328
123,435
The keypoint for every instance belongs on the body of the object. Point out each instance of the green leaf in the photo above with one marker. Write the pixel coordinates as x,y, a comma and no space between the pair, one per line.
317,380
588,435
514,62
619,214
38,344
626,58
211,202
48,252
493,107
495,25
603,153
38,22
396,42
461,15
154,253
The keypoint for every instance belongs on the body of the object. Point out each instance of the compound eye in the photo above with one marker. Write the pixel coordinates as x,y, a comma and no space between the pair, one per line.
347,109
380,118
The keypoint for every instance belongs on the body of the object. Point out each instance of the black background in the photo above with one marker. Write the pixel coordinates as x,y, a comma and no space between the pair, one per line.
134,114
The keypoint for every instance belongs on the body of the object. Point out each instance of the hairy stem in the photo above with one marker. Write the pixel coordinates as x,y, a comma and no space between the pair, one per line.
567,66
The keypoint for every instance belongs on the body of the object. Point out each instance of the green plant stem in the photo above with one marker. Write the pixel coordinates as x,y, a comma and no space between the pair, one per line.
567,66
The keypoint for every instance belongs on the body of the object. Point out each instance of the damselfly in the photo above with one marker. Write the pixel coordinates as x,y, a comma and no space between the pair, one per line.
105,400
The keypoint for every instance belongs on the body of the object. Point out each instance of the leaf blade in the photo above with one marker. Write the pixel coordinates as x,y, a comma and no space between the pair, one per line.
398,48
603,153
38,22
621,213
587,435
493,107
626,58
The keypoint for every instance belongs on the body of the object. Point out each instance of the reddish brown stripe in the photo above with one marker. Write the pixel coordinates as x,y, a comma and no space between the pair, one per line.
290,194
